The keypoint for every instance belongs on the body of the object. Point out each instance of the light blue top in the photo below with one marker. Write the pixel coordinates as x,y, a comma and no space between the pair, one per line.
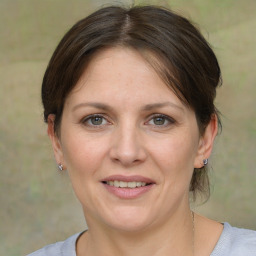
232,242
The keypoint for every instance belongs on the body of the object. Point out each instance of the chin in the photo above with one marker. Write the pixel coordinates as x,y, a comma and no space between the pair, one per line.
129,219
129,227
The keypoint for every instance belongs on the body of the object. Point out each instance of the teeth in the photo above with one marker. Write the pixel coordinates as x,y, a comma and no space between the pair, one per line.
124,184
132,184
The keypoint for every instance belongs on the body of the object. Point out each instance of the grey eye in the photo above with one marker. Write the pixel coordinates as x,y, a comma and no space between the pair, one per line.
96,120
159,120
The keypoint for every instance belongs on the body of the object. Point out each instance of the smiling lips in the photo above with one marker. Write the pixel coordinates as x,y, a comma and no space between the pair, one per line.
128,187
124,184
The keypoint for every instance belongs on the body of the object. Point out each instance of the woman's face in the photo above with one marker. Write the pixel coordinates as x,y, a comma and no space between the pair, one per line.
128,143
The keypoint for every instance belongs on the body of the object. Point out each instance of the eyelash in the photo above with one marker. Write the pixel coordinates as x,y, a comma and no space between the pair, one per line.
104,119
165,117
90,117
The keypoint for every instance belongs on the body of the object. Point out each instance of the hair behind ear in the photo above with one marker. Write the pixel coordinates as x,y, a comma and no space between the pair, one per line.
200,180
56,145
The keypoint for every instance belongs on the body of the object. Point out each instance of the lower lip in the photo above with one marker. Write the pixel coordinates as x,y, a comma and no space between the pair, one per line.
128,193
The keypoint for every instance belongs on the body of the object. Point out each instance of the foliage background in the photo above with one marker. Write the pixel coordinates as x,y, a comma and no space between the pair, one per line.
37,203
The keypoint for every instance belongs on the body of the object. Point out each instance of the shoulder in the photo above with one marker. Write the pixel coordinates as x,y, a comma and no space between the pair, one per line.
236,242
63,248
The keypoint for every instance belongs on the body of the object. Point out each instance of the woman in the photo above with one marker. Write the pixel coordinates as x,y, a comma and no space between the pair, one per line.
129,101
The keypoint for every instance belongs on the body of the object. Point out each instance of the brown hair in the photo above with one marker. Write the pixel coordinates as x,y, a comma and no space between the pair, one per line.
169,42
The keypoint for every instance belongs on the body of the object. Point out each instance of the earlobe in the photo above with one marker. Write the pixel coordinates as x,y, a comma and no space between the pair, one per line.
206,143
56,145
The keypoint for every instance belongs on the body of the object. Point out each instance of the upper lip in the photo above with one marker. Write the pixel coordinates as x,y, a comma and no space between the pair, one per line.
131,178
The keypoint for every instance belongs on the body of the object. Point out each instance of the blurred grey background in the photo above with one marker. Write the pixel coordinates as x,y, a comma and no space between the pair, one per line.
37,203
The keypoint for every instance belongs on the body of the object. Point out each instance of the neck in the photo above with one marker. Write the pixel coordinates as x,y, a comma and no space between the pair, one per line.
173,238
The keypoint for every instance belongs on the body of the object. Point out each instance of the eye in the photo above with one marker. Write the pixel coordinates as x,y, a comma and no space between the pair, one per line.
94,120
161,120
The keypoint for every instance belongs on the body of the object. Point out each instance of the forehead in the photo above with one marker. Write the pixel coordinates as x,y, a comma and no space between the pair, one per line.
123,73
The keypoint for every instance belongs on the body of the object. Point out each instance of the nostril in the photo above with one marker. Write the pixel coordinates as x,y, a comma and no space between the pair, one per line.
126,149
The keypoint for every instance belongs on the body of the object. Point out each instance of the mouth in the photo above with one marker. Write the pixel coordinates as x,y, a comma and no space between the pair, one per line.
128,187
125,184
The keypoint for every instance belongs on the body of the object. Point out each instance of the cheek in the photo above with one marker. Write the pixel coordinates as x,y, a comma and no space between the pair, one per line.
175,158
176,151
83,154
84,159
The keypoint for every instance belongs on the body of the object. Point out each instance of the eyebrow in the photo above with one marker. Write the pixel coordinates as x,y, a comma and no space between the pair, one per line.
149,107
106,107
93,104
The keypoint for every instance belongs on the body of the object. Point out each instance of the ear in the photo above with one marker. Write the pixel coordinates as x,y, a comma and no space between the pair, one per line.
206,142
56,145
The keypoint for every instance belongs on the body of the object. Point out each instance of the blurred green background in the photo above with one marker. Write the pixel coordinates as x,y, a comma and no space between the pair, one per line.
37,203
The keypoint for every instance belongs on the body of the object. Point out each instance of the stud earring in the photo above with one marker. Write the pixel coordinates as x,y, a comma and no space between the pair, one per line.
205,161
60,166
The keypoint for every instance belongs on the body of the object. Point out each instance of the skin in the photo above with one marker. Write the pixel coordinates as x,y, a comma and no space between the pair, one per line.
128,137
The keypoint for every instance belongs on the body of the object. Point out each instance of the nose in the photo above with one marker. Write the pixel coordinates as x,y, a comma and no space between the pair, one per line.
127,146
